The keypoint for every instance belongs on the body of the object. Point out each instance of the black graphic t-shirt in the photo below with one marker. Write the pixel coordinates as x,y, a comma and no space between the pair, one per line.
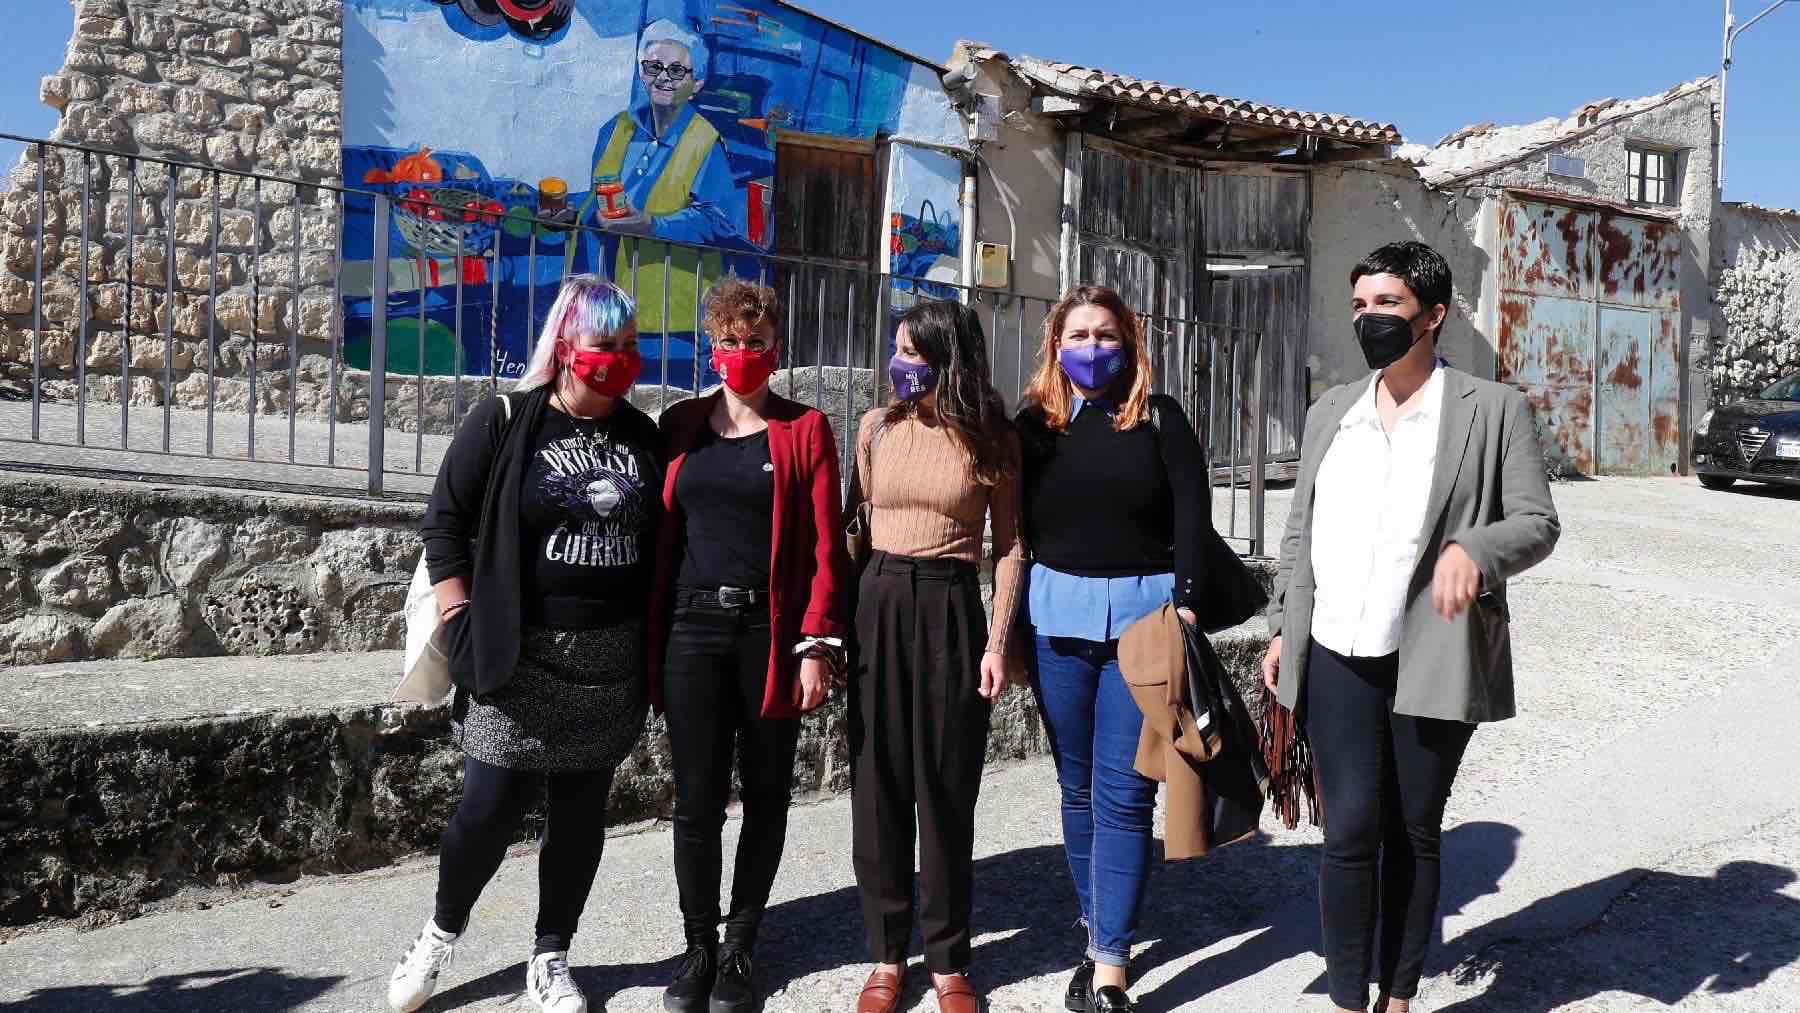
586,515
727,489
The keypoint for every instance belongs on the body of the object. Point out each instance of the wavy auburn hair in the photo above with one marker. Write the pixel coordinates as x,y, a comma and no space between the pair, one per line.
1050,390
948,335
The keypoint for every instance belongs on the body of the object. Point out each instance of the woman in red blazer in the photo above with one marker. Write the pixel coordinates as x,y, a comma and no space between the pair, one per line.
745,632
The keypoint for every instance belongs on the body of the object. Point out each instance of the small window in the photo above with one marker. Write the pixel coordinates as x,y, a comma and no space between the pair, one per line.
1651,175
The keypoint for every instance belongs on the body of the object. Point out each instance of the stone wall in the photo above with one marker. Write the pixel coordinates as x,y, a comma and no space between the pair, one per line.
247,85
101,822
1758,293
107,570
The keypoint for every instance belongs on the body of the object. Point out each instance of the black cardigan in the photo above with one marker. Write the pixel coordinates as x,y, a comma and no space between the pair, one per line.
484,638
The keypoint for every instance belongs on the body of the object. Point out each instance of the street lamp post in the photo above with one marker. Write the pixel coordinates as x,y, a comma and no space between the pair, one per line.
1732,31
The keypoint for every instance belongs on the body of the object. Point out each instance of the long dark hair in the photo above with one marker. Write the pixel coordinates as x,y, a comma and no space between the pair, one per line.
948,335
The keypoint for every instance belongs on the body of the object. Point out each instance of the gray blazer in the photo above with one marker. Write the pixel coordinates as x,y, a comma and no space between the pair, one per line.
1491,495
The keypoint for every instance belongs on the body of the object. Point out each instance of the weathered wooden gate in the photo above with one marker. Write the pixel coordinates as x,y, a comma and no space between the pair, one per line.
1590,313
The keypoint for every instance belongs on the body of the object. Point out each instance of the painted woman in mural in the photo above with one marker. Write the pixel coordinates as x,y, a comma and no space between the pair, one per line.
660,172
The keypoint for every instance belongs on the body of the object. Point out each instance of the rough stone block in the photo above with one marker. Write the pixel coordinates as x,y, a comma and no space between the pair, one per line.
262,617
224,84
78,583
193,550
247,118
159,627
227,151
198,109
42,639
277,53
166,133
103,29
319,100
132,98
138,575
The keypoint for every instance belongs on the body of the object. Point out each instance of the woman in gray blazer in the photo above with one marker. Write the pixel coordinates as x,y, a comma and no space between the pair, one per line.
1422,491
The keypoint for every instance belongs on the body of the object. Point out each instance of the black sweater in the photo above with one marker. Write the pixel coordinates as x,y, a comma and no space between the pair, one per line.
1104,503
484,638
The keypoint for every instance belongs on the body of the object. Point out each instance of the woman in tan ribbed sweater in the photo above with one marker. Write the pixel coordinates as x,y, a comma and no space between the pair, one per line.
937,466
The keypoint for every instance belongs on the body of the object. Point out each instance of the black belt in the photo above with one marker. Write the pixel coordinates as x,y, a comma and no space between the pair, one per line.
720,597
928,569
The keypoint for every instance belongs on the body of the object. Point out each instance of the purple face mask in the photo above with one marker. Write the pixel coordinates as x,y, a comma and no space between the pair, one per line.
1092,365
912,380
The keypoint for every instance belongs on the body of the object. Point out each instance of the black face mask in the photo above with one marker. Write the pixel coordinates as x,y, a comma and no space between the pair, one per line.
1385,338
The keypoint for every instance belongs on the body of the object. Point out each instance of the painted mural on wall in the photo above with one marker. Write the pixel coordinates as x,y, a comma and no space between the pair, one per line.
522,140
924,250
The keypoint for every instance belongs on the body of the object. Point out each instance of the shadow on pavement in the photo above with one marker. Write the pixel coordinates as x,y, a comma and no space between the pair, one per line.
1662,936
1475,857
261,988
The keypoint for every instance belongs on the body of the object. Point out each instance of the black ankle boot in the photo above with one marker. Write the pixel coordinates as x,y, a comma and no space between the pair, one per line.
732,990
693,982
1081,988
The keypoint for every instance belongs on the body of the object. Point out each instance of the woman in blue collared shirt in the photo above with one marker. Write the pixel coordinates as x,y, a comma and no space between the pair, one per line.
1114,492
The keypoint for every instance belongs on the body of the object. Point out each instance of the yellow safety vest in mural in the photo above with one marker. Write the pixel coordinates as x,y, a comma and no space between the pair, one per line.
687,268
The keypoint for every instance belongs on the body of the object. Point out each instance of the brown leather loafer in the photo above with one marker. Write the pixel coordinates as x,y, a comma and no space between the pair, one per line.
956,995
880,994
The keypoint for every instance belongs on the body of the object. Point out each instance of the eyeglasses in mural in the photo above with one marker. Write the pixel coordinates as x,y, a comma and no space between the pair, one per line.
522,140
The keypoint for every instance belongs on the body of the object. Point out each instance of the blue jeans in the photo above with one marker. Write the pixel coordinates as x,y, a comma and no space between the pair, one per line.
1107,806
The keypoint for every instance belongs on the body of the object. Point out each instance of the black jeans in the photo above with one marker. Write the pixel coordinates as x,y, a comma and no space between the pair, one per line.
716,668
494,802
918,738
1384,779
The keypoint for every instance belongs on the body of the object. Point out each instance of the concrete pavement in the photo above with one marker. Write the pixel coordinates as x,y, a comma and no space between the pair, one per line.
1630,842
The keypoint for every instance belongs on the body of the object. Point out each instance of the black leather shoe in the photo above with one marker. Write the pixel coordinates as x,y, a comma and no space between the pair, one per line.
732,991
693,981
1080,988
1112,999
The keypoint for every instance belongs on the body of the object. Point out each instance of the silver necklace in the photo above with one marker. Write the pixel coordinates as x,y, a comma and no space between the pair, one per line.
598,438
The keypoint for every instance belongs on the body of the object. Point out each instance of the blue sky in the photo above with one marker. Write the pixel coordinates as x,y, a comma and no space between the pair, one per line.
1429,68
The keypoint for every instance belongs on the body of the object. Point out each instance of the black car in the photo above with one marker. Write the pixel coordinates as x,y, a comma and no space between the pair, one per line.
1756,439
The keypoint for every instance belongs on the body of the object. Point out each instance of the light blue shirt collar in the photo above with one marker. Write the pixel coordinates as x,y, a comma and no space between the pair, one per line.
1080,402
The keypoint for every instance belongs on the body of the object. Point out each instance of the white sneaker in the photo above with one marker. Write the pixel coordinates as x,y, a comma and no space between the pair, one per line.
416,976
548,982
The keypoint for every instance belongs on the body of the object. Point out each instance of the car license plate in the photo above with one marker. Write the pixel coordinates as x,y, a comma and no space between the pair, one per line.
1788,450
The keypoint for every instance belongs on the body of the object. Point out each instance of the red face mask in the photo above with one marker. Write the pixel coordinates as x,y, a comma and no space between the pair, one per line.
609,374
744,371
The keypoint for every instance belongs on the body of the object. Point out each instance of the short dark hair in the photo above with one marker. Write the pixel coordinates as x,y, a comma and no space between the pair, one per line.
1422,268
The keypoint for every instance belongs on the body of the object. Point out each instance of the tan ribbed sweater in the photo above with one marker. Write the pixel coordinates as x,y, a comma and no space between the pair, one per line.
927,504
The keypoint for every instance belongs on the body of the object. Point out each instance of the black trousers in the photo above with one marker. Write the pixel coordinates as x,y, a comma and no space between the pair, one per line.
715,671
918,736
494,803
1384,779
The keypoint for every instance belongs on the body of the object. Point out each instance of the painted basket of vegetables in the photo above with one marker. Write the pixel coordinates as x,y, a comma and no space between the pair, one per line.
431,219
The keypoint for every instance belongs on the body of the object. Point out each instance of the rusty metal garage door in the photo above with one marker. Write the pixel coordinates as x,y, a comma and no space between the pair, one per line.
1590,311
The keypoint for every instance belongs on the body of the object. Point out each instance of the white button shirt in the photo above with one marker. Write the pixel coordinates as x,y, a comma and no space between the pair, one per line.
1368,517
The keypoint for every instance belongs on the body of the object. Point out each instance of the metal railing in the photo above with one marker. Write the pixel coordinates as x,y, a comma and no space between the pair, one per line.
261,281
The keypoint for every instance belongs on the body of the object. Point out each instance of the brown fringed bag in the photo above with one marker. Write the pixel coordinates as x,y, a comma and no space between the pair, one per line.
1292,775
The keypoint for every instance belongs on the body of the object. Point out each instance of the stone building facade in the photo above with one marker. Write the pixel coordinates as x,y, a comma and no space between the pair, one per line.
254,87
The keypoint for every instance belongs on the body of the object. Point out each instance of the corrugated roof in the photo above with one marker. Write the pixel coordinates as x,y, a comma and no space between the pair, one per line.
1091,82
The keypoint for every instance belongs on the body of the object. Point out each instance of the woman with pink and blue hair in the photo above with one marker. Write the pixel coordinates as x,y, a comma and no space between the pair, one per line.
540,541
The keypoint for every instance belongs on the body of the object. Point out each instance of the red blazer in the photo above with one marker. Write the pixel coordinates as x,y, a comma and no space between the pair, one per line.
808,562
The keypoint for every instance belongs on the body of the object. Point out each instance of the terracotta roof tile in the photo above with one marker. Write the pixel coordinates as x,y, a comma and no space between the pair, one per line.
1078,81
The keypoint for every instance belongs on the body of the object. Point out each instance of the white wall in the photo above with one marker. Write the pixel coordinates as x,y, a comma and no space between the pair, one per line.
1359,207
1759,299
